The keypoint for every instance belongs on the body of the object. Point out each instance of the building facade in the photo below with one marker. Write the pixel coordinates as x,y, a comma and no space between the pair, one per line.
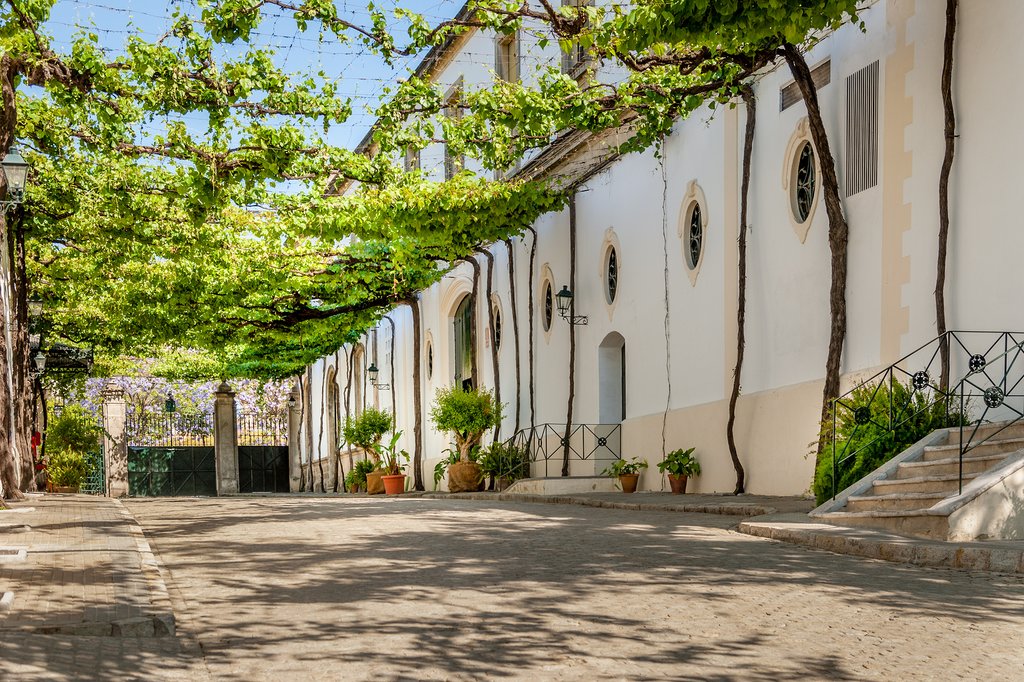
656,260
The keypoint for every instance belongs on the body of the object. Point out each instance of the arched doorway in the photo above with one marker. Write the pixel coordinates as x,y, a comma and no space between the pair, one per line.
611,372
462,344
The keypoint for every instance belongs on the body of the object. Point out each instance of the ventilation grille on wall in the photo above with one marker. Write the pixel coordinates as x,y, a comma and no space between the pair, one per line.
862,130
820,74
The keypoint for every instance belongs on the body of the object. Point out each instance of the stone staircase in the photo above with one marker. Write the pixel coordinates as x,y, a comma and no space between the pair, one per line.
918,492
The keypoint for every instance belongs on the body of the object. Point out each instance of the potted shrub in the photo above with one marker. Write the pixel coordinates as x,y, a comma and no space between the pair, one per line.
680,464
505,463
391,464
468,415
67,470
366,432
628,473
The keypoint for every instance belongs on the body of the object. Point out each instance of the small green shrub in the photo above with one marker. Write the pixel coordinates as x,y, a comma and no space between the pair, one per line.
504,460
680,463
863,448
67,467
467,414
392,457
620,467
366,430
357,476
75,428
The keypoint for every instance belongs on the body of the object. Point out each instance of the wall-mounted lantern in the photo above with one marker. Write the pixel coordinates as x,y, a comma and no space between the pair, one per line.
563,300
372,373
169,404
15,169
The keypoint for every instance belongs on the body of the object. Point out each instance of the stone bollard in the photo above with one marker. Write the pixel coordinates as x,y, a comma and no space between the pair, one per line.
115,445
225,440
294,434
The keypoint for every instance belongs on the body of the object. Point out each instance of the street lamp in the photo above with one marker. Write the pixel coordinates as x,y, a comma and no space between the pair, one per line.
169,405
292,402
15,169
40,361
563,299
372,373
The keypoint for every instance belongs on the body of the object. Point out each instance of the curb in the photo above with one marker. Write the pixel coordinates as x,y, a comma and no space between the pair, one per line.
726,509
965,557
162,622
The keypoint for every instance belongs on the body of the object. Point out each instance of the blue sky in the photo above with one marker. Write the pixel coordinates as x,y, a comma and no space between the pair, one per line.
360,76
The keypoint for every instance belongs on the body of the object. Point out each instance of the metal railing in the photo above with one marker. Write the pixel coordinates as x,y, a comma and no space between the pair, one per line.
543,445
985,386
258,428
169,429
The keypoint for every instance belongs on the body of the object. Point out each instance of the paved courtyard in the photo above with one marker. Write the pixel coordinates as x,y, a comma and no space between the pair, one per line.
296,588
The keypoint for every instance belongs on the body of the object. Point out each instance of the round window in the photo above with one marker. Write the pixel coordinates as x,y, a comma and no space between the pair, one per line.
611,275
804,183
549,305
497,327
430,360
694,237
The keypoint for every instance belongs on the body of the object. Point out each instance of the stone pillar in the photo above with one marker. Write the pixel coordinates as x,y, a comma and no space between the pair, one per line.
115,441
225,440
294,440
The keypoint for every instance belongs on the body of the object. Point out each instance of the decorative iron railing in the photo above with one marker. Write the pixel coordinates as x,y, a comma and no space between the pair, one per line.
986,386
262,429
169,429
543,448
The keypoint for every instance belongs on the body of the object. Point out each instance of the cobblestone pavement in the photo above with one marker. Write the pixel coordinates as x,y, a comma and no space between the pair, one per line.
326,588
300,588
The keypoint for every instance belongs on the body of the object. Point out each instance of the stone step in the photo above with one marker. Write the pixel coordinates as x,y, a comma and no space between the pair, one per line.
951,465
912,522
922,484
991,447
893,502
1001,431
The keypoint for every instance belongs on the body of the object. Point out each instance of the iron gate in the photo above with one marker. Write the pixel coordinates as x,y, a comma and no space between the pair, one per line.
171,471
262,453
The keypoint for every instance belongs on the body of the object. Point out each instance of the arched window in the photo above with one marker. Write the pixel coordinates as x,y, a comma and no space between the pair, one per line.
462,337
805,183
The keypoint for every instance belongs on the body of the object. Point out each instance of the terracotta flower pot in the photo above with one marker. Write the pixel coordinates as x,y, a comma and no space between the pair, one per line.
465,477
374,484
628,482
678,484
354,488
394,484
502,483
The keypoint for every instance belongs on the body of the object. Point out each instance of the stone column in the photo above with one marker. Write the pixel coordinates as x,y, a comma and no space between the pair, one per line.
115,441
294,437
225,440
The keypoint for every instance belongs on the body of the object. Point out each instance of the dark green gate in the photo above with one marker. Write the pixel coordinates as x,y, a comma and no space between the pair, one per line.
262,469
169,471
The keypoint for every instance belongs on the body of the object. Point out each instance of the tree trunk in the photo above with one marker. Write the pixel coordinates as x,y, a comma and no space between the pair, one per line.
320,436
309,425
417,457
741,301
515,328
495,370
838,230
350,358
473,334
572,336
302,424
23,383
529,310
949,133
391,356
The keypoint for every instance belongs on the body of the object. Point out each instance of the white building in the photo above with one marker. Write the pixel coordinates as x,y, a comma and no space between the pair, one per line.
657,354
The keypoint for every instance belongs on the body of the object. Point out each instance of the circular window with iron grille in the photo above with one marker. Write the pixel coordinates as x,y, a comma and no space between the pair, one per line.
694,236
497,325
805,183
430,359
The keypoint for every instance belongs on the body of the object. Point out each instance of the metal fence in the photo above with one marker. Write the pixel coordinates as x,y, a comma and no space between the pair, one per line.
169,429
591,447
258,428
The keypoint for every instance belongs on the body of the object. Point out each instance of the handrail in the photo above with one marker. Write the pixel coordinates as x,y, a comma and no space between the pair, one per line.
989,383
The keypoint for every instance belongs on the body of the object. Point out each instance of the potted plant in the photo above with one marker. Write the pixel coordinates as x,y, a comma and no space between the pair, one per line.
628,473
505,463
680,464
366,432
67,470
468,414
391,464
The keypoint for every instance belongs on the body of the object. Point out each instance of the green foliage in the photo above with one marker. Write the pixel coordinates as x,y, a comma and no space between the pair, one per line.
467,414
620,467
392,457
367,430
66,467
74,429
899,417
357,476
680,463
504,460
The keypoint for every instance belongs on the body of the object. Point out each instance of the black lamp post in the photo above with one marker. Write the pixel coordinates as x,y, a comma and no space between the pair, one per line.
563,299
15,169
169,405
